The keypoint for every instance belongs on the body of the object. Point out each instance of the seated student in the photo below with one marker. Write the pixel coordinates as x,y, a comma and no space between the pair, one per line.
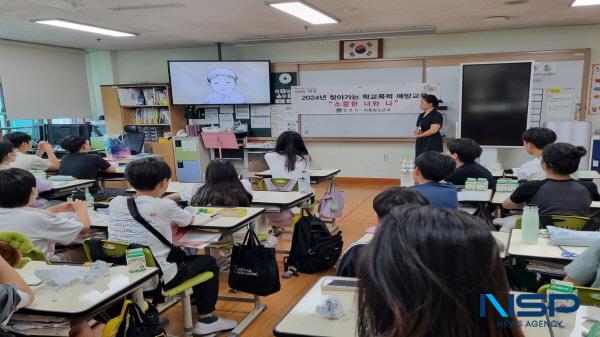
22,143
42,226
558,194
81,164
7,157
14,291
534,142
150,178
464,151
221,188
382,204
423,273
585,269
290,160
431,167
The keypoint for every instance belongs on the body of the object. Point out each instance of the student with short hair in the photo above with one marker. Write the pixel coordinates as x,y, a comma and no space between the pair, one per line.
558,194
42,226
150,178
7,157
585,269
534,142
81,164
464,152
423,274
431,167
383,204
22,143
221,187
290,160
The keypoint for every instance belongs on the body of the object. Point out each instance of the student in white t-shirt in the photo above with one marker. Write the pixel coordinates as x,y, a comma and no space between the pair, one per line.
22,143
534,142
290,160
150,178
43,226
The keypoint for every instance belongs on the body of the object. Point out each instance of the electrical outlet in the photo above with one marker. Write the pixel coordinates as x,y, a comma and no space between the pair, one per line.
386,157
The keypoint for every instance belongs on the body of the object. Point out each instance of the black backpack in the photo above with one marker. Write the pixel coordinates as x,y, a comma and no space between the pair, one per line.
313,249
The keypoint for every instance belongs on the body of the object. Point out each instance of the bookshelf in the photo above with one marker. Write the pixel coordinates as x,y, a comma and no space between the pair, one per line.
147,106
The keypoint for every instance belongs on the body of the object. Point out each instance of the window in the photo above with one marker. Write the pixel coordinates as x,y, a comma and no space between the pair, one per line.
29,126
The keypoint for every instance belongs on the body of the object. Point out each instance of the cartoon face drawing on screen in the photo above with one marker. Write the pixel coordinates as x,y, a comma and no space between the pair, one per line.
223,82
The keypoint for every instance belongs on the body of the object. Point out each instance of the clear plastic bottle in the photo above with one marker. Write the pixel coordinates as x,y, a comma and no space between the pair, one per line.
530,225
89,199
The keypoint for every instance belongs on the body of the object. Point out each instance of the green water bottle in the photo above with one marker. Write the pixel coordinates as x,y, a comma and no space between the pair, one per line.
530,225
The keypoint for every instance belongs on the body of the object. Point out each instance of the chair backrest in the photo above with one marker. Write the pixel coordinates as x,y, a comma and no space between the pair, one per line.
278,185
587,296
576,223
116,249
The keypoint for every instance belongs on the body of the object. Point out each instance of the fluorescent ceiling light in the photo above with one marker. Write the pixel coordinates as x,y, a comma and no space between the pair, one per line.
406,31
578,3
83,27
302,10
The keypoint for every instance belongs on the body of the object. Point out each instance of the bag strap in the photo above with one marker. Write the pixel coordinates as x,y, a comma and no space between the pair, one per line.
251,240
135,213
124,324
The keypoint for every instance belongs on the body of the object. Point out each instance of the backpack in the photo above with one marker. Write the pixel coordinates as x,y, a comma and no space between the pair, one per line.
313,249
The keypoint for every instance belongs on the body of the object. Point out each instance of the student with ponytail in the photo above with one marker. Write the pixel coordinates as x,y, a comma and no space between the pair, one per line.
558,194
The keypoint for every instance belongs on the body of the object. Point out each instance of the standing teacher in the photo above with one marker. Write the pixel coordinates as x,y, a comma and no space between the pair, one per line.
428,126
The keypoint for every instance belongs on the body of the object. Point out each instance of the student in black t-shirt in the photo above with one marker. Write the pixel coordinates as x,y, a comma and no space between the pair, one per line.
558,194
81,164
464,151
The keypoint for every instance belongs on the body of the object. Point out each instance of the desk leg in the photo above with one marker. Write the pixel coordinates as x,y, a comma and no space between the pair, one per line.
138,297
258,308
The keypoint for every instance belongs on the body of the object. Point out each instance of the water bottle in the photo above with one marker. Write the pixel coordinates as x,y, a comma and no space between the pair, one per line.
530,225
303,185
89,199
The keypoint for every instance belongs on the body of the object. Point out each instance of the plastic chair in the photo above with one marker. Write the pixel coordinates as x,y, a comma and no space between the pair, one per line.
587,296
280,184
183,290
576,223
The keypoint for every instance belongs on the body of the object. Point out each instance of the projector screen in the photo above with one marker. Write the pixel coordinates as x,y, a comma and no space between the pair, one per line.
494,102
212,82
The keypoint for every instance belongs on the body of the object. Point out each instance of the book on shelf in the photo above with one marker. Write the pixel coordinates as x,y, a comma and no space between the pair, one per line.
151,116
150,96
131,96
161,97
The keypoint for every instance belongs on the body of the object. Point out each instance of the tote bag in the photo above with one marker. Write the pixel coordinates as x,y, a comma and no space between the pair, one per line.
253,267
332,204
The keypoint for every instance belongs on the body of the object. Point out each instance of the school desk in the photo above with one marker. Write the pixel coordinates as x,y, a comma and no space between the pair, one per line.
219,223
542,250
577,327
278,201
80,301
500,236
64,188
499,197
475,196
303,321
316,175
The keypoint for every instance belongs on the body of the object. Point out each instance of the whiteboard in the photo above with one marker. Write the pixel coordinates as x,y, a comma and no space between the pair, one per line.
361,76
355,125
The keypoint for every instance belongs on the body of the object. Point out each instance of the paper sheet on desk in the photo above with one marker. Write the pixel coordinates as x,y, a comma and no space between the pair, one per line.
191,237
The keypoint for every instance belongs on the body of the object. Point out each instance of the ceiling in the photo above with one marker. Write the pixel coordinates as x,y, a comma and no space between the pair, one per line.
185,23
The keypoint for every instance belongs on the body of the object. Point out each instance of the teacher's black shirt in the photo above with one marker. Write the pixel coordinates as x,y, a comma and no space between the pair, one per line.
433,142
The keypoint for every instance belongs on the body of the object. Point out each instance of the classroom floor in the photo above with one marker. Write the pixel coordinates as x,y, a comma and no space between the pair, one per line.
358,216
